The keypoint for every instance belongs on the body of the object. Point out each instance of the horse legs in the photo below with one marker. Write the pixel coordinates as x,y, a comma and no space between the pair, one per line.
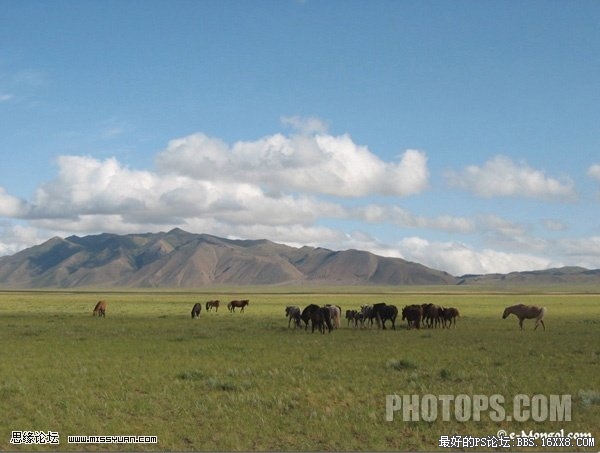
541,321
521,322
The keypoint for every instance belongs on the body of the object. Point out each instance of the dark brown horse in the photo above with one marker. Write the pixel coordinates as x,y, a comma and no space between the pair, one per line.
523,312
100,309
196,309
413,315
448,316
237,304
320,318
431,315
382,312
212,303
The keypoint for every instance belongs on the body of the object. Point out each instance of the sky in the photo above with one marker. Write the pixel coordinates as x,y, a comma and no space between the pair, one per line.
462,135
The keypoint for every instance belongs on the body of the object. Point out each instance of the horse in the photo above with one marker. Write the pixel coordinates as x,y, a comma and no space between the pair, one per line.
335,313
448,316
431,315
413,315
352,315
523,312
100,309
212,303
306,314
383,312
293,312
237,303
321,318
196,309
367,313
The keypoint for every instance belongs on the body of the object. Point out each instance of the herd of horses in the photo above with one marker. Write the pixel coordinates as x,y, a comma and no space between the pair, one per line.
231,306
328,317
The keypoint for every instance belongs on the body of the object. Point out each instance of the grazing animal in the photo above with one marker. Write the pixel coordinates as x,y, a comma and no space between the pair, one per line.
413,315
196,309
293,312
306,314
431,315
359,318
448,316
320,317
382,312
237,303
212,304
367,313
352,315
100,309
335,313
523,312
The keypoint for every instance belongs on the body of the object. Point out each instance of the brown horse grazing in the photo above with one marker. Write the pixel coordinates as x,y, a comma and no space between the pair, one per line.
413,315
448,316
196,309
100,309
237,303
431,315
212,303
523,312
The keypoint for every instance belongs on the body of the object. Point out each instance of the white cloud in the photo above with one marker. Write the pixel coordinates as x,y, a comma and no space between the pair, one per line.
319,164
501,177
11,206
594,172
294,189
14,238
459,259
88,190
4,97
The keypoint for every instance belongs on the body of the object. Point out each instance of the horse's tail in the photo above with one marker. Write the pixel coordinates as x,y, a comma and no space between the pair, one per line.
542,313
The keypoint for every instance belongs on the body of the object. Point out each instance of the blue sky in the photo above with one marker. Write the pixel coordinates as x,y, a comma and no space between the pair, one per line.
464,135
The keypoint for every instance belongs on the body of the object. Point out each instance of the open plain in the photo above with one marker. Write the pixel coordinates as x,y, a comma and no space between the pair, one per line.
245,381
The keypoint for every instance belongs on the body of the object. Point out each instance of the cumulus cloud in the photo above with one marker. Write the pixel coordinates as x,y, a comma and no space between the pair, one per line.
502,177
88,191
11,206
460,259
319,164
304,188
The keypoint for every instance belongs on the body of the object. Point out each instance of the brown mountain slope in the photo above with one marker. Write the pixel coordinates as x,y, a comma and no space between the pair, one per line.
181,259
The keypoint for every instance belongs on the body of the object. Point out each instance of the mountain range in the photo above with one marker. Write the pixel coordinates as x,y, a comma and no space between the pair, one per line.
186,260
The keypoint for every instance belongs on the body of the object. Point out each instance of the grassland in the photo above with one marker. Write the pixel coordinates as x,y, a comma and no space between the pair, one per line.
245,381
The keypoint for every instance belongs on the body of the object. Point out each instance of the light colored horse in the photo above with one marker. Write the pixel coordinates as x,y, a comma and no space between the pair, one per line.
523,312
336,316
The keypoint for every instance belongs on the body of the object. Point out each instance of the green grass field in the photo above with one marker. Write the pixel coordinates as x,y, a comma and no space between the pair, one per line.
244,381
